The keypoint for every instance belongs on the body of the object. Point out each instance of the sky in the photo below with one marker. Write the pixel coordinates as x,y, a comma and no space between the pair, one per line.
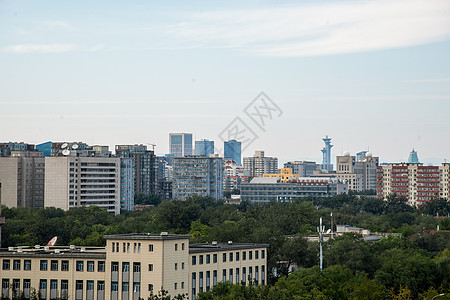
372,75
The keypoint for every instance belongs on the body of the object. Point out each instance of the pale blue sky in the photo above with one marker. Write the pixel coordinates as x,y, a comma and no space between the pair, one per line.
367,73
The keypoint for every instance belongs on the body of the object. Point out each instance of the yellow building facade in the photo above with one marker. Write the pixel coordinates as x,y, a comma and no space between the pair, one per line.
130,267
285,175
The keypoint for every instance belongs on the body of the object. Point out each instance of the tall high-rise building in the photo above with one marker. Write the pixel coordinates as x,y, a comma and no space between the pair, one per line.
127,183
72,180
260,164
180,144
6,148
232,149
22,178
413,158
145,167
303,168
204,148
326,152
360,174
197,175
416,182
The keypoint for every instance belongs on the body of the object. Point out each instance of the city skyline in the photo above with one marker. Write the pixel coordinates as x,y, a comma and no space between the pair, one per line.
372,75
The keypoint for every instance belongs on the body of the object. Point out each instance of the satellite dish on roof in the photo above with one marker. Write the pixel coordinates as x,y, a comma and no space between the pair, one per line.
52,242
66,152
74,146
63,146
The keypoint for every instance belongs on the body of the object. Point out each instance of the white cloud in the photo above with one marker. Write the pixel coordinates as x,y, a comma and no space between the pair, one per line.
57,25
320,29
39,48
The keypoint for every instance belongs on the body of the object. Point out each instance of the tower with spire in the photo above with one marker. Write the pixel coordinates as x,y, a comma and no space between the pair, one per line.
326,152
413,158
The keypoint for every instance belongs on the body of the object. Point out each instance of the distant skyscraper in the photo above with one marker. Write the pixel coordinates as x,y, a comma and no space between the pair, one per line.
232,149
326,151
260,164
413,158
204,148
180,144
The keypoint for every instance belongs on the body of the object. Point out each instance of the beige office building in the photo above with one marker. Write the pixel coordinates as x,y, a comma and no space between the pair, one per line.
130,267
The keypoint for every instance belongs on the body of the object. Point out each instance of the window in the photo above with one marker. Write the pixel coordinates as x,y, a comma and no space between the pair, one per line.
139,247
237,256
182,266
136,267
256,254
125,286
244,275
201,259
79,285
231,275
175,286
176,247
208,259
176,266
5,283
100,285
244,255
182,248
27,264
80,265
128,247
16,285
90,285
231,256
224,275
135,248
150,287
262,254
237,275
214,277
64,284
27,283
194,282
250,255
54,265
194,260
6,264
150,267
16,264
90,266
125,267
182,285
208,276
114,266
114,286
214,258
124,247
43,265
150,248
117,247
113,247
64,265
224,257
101,266
53,284
43,284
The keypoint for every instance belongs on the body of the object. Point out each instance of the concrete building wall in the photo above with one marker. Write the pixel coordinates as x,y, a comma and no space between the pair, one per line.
57,182
9,180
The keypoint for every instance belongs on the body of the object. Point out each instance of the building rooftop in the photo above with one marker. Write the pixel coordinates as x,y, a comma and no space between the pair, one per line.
214,246
147,236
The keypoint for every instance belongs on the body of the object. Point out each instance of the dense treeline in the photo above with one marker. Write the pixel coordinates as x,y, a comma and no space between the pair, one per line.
414,263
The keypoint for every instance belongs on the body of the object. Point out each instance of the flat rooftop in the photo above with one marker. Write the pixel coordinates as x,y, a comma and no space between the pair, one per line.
147,236
211,247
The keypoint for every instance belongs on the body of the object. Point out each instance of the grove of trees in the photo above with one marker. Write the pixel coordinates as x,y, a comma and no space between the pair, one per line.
414,265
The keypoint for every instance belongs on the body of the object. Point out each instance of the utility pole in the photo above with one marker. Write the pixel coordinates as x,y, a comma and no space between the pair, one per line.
332,233
321,229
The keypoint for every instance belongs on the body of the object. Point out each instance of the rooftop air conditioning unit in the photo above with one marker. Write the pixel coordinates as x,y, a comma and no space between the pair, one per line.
214,243
230,242
164,233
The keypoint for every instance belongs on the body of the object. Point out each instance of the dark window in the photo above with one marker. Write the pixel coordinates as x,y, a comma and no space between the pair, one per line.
54,265
231,256
200,260
125,267
237,256
27,264
224,257
16,264
43,265
262,254
250,255
150,248
150,287
100,285
208,259
90,285
43,284
114,267
5,283
90,266
244,255
150,267
256,254
125,286
64,265
214,258
194,260
101,266
79,285
114,286
53,284
136,267
80,265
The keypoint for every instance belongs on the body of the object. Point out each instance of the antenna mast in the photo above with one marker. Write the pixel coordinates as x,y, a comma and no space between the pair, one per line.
320,229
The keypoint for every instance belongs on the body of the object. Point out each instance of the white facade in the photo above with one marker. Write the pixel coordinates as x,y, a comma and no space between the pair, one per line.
72,181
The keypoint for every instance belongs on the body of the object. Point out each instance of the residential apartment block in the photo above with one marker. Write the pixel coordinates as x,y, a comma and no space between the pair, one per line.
234,175
360,174
130,267
197,175
73,181
414,181
302,168
22,178
260,164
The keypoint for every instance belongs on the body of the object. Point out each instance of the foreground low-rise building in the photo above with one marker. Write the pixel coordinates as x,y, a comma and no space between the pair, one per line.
130,267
